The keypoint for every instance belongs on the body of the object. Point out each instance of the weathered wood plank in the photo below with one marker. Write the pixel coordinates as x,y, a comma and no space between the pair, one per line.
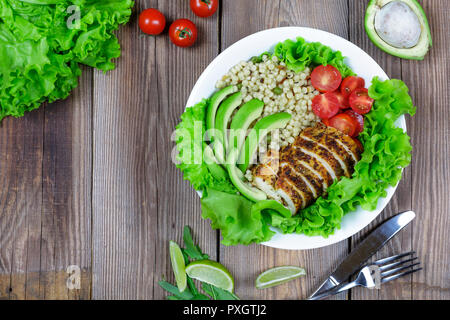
45,215
247,262
430,132
124,191
21,203
178,69
67,178
401,201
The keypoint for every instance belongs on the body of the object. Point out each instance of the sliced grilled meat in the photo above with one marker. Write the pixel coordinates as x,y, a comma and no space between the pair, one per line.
302,171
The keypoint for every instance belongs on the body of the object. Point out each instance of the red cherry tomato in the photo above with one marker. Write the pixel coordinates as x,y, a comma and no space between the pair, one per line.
151,21
343,102
359,121
360,145
351,83
360,101
344,123
326,78
204,8
325,105
183,32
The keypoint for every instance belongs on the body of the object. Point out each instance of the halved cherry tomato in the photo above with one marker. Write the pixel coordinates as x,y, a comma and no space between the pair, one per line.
183,32
152,21
359,121
344,123
351,83
204,8
358,143
326,78
325,105
360,101
343,102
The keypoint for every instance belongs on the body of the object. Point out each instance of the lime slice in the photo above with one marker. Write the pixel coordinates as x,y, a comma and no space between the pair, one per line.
178,266
211,272
278,275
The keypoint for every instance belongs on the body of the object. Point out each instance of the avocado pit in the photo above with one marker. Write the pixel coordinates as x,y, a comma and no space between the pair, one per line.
398,25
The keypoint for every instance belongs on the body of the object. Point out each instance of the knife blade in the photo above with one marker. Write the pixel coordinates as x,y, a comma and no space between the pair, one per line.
365,250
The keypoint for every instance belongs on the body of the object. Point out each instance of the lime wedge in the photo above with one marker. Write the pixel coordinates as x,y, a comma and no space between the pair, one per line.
211,272
278,275
178,266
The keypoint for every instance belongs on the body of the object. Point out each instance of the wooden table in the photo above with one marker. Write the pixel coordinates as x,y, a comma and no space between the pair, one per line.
89,181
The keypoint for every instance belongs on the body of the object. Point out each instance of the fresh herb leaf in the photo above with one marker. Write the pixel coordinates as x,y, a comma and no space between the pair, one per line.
185,295
193,251
218,293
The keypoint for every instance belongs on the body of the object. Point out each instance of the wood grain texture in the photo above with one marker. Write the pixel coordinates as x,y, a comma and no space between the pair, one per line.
45,215
430,132
247,262
401,201
89,181
124,171
177,71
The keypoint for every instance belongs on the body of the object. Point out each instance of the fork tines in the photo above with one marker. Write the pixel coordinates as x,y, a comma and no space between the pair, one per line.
390,271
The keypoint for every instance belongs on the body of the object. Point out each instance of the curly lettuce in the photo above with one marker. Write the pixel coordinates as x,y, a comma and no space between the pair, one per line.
299,54
189,135
43,43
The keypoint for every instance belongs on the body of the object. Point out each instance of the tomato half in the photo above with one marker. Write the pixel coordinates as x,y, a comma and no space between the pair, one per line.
343,102
360,101
325,105
152,21
326,78
204,8
344,123
359,121
360,145
183,32
351,83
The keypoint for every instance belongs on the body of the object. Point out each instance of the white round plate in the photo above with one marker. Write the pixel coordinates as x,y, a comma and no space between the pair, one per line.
359,61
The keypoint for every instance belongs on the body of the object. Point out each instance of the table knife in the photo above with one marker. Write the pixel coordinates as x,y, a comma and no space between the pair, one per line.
365,250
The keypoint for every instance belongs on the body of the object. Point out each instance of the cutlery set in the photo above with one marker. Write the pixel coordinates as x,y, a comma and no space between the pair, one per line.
371,275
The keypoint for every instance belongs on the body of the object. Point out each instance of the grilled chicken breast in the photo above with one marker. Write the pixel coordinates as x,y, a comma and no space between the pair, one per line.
302,171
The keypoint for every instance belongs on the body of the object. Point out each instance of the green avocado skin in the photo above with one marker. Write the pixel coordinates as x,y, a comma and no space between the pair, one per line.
216,99
224,113
416,53
260,130
249,192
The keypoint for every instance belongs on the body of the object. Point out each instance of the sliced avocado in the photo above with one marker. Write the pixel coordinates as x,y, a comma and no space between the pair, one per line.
259,131
242,120
247,191
214,103
223,116
214,168
398,27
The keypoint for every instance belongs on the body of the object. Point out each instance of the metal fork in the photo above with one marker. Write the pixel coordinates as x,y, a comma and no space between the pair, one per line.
375,273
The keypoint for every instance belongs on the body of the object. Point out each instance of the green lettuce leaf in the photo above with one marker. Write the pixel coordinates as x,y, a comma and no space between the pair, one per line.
236,218
189,135
42,43
301,54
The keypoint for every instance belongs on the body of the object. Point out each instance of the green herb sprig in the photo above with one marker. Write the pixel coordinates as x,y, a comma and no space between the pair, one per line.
192,252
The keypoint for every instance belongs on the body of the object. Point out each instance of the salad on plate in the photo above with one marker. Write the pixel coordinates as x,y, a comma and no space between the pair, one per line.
292,140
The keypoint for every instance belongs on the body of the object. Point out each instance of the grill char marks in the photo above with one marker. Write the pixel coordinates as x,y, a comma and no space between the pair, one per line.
305,169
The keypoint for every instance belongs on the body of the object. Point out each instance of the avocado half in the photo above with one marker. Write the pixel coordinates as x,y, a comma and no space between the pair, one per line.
398,27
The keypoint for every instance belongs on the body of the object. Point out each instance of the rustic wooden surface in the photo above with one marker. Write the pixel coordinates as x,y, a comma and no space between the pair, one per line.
89,181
